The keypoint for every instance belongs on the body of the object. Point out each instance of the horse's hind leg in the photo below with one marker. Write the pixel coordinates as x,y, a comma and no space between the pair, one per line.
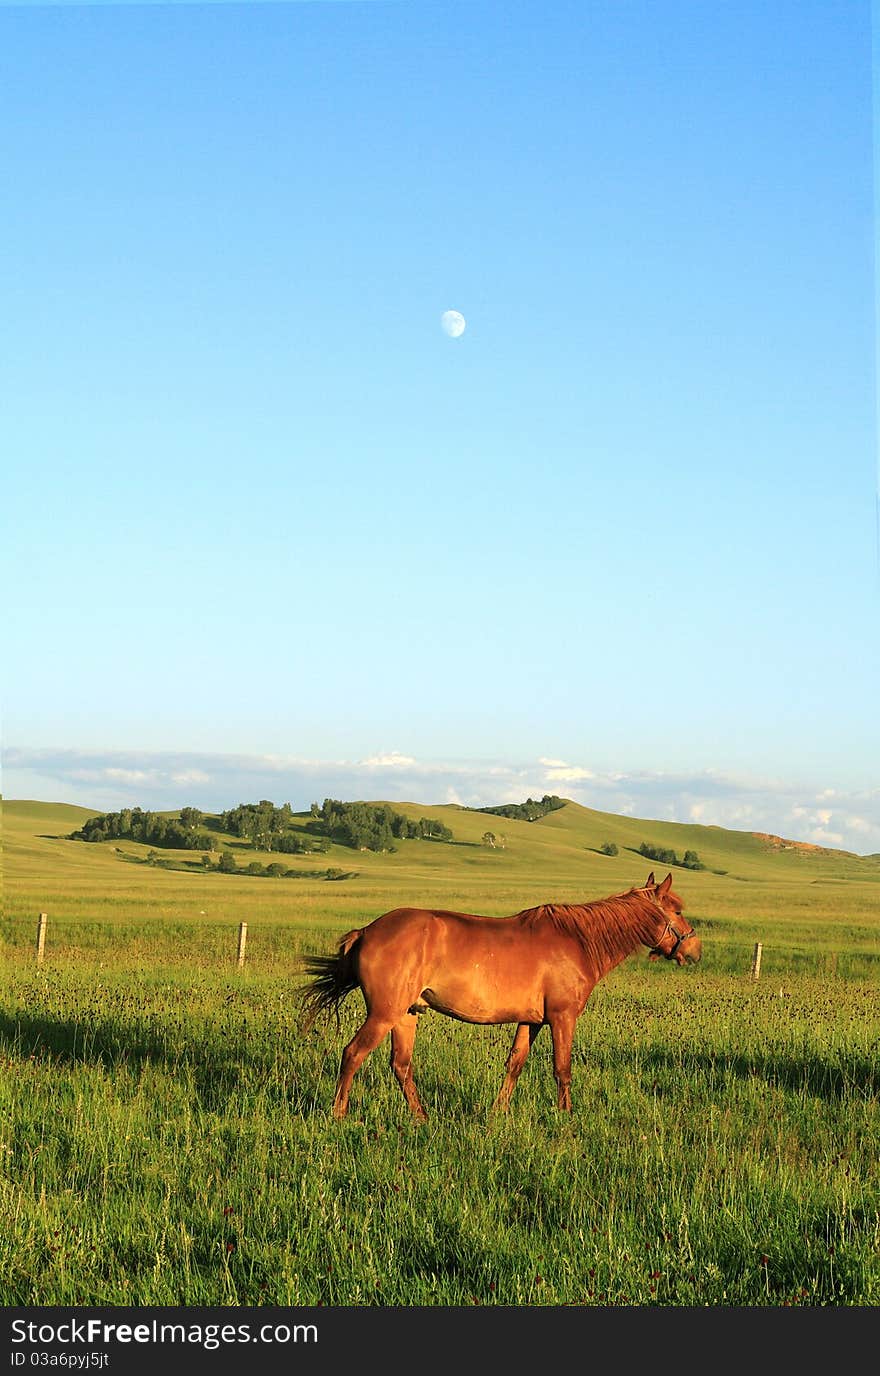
365,1040
522,1045
403,1035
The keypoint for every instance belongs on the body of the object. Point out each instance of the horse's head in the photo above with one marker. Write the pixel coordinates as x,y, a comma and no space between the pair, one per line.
675,938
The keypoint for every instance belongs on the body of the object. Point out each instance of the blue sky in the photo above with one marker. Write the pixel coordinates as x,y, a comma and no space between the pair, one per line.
259,507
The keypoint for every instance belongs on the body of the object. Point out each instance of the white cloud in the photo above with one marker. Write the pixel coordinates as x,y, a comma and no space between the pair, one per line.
114,775
820,836
553,764
128,776
571,774
393,760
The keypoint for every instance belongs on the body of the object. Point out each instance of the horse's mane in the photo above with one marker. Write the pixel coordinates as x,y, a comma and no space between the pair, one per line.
607,928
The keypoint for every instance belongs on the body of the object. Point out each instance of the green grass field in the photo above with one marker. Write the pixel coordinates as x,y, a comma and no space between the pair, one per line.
165,1136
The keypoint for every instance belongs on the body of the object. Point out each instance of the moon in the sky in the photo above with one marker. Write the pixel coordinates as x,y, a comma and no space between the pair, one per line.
452,323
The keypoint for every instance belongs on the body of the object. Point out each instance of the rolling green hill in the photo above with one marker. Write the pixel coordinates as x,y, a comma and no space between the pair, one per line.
796,898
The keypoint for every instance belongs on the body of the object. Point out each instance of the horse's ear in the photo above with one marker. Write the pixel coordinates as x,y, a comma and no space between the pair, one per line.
650,880
663,889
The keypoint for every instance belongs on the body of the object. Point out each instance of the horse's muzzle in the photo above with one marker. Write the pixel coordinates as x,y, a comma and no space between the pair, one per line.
690,951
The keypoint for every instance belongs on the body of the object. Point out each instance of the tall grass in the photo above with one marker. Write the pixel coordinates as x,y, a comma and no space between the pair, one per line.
166,1140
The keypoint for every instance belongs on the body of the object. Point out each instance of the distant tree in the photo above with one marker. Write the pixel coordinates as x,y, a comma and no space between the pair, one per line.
661,853
691,860
254,867
227,863
150,828
262,823
206,861
608,848
191,817
290,844
529,811
430,830
364,826
489,839
275,870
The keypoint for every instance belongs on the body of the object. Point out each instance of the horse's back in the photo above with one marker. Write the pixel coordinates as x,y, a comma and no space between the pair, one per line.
439,924
477,968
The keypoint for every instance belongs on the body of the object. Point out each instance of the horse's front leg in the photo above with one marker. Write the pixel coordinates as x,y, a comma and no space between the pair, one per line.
562,1030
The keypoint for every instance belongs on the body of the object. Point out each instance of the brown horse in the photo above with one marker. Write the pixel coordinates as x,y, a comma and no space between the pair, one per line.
537,967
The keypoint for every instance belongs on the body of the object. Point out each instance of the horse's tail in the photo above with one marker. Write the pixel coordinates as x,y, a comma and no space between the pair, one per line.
332,979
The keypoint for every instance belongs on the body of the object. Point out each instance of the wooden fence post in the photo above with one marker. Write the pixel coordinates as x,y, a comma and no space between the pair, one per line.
756,960
41,936
242,942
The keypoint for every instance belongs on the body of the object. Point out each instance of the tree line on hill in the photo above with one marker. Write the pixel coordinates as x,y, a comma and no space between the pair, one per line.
136,824
529,811
360,826
266,826
366,826
228,864
275,870
691,860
